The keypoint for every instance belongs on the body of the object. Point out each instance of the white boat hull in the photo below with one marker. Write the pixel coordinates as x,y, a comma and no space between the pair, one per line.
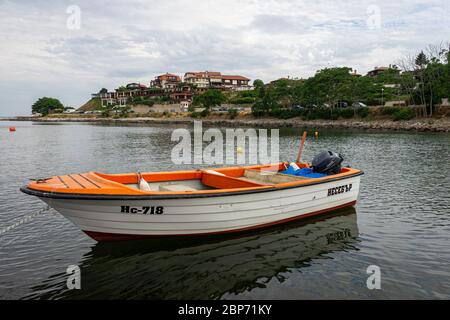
106,220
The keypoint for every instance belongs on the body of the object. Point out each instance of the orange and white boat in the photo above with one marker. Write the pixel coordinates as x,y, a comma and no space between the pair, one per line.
125,206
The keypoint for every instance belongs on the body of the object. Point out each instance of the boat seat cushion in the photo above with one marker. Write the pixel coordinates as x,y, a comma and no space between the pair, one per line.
176,188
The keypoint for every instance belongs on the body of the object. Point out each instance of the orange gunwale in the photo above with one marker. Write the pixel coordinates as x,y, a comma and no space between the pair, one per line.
94,183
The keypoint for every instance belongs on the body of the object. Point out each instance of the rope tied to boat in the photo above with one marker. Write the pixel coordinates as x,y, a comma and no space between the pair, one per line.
25,219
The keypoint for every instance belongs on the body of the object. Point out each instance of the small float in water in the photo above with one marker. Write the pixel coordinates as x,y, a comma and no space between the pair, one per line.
110,207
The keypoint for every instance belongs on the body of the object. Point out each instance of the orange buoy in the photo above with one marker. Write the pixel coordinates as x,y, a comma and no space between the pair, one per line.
12,129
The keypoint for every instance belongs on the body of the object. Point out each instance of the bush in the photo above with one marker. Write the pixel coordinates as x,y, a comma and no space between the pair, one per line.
362,112
204,113
346,113
258,109
232,113
249,93
242,100
403,114
389,110
148,102
320,113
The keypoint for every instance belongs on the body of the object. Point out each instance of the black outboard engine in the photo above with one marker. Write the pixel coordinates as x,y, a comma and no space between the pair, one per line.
327,162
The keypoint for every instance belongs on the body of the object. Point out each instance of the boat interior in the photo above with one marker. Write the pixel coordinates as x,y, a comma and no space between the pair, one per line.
179,182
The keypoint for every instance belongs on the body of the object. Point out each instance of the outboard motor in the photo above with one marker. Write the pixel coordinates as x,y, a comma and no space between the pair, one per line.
327,162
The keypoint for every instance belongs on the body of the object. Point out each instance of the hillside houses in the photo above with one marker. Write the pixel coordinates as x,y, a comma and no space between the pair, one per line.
170,87
209,79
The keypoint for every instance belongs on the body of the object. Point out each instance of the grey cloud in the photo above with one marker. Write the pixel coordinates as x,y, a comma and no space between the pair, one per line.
135,40
280,24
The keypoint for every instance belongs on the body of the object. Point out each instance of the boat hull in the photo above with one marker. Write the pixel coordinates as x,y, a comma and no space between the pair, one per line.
109,220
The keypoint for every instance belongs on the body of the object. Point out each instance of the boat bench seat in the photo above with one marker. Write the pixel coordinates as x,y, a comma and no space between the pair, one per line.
268,178
176,188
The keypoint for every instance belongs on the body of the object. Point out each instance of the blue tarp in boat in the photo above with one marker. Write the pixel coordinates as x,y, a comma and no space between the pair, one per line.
305,172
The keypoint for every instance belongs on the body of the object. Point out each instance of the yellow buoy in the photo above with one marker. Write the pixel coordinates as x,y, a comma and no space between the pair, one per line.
239,150
316,134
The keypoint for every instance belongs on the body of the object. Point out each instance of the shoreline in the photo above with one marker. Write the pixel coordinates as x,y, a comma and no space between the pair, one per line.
420,125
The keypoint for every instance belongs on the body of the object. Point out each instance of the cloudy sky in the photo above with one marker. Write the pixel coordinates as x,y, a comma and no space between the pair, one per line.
69,49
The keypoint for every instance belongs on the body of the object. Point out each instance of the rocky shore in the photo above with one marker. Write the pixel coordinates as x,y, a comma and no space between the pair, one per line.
431,125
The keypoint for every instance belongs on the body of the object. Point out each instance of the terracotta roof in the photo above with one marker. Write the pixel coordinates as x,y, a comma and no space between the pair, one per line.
204,74
231,77
133,84
168,75
217,75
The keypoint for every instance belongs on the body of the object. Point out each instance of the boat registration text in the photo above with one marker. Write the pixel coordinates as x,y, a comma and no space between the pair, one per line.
143,210
340,189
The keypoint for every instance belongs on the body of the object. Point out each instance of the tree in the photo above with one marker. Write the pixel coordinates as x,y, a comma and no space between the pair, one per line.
267,104
258,84
103,90
426,76
210,98
328,85
44,105
259,88
366,90
421,60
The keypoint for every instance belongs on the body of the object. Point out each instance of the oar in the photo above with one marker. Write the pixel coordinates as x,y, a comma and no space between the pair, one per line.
302,142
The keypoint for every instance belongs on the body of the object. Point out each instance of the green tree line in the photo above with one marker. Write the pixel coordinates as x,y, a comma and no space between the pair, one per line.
423,80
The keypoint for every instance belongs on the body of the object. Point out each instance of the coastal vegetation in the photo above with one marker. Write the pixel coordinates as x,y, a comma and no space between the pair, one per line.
45,105
210,98
92,104
411,88
421,80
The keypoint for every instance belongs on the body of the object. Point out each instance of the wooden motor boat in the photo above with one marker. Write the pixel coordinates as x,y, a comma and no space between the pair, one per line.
111,207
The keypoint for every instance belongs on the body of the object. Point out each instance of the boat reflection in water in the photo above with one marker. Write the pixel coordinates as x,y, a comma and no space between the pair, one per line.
203,268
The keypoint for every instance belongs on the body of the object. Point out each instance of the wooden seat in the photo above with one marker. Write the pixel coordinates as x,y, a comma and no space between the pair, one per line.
268,178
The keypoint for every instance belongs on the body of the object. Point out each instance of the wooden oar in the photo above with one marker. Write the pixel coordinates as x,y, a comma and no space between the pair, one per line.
302,142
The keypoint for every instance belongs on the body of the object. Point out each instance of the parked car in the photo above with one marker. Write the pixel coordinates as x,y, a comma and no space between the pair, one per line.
341,104
297,107
359,105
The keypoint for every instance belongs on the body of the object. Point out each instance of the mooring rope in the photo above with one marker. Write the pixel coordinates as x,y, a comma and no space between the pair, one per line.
25,219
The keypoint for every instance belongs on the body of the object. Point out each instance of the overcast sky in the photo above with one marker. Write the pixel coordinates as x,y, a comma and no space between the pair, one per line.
46,51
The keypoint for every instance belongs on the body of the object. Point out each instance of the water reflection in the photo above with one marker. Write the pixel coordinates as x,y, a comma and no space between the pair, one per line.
203,268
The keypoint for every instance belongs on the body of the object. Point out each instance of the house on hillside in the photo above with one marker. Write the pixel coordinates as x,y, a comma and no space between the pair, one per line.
166,81
213,79
379,70
201,79
354,73
168,86
237,83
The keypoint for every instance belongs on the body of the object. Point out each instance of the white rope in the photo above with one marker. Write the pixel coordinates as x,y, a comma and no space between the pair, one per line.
25,220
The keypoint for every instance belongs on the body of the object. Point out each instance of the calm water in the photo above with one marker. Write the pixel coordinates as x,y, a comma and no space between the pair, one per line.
401,224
